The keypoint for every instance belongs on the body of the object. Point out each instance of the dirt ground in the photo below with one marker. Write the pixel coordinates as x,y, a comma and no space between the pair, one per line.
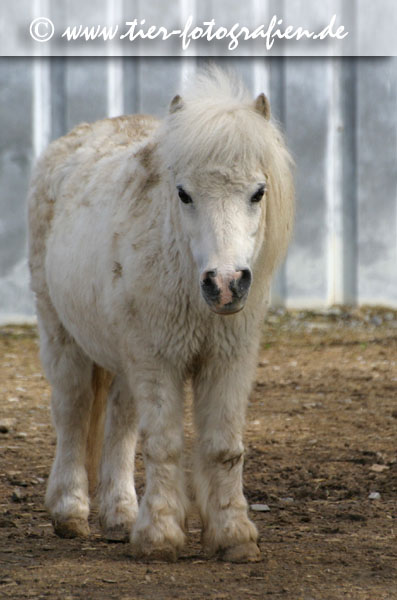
320,453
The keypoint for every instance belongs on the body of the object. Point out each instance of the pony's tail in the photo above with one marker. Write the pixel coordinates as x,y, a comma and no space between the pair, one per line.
101,381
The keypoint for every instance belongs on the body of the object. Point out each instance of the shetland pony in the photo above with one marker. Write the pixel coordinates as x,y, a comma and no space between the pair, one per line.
152,247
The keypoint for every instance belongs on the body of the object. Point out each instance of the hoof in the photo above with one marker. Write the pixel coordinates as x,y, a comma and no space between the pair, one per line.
71,528
117,533
243,553
148,553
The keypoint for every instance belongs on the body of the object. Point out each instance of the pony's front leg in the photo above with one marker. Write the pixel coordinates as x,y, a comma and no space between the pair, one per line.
221,390
159,532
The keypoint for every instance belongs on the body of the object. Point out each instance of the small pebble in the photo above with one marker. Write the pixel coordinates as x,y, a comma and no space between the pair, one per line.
260,507
379,468
6,425
374,496
18,495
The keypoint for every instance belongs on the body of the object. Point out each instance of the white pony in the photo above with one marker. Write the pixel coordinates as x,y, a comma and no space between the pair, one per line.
152,246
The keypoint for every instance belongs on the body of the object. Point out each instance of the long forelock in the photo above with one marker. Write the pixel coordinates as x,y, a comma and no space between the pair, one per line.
217,124
216,84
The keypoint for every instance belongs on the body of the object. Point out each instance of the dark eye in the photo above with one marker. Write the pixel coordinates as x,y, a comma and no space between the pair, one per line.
257,197
184,196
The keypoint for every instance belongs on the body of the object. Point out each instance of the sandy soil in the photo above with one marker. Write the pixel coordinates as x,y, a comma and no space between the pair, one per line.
321,437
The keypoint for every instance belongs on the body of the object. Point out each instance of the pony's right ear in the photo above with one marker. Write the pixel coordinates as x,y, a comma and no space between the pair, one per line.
262,105
176,104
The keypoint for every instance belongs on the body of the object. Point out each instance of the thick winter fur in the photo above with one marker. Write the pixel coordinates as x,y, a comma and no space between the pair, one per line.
117,263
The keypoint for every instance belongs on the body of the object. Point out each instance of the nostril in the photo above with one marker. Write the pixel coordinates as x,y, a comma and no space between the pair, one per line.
209,286
208,278
245,280
246,275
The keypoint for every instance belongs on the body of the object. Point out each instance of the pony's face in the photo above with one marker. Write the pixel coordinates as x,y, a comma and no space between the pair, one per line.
219,145
222,220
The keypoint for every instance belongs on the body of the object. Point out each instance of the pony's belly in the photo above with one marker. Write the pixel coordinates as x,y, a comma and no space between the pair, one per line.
76,293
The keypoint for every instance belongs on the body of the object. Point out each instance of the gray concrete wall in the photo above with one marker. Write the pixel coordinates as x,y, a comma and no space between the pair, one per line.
340,119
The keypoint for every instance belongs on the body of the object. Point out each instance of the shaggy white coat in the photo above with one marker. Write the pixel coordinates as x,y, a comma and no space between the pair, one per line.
116,260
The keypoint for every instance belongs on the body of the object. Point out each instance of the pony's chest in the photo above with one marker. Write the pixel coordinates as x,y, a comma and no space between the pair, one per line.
181,331
185,335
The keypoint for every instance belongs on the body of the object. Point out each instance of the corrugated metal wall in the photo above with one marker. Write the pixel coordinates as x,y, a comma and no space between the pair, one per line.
340,120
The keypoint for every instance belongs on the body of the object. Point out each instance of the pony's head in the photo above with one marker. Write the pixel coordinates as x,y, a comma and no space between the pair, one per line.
229,172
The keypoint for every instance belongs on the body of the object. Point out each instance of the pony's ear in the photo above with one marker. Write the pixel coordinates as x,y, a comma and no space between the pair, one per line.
176,104
262,105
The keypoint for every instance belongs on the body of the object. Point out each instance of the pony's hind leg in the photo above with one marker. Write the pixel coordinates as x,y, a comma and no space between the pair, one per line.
69,372
117,497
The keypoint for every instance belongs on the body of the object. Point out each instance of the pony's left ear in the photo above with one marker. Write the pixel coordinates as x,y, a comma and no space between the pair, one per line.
262,105
176,104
